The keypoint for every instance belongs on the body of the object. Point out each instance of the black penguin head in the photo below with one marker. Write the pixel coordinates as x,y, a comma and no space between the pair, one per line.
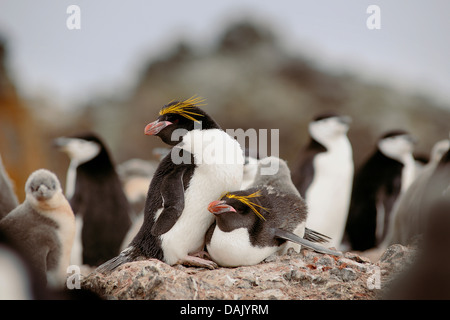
81,148
237,210
42,185
396,144
182,115
326,127
88,151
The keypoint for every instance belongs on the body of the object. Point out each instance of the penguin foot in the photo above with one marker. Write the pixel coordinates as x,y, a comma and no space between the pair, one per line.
202,255
192,261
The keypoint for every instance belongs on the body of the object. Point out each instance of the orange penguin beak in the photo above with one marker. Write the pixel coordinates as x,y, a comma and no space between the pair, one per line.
155,127
219,207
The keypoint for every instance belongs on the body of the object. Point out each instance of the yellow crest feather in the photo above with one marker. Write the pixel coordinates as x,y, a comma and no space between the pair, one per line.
184,108
245,200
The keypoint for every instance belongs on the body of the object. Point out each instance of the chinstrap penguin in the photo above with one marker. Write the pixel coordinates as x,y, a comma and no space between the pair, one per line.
254,223
386,174
324,174
43,227
193,174
96,195
8,198
408,218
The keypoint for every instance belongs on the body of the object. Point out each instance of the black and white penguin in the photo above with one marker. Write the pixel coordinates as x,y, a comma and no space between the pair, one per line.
8,198
96,195
203,163
387,173
408,216
324,175
427,278
439,183
43,228
268,217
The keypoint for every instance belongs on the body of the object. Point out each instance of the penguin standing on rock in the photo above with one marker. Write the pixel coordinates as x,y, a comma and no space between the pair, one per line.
429,276
254,223
43,228
95,193
204,163
377,185
408,218
324,175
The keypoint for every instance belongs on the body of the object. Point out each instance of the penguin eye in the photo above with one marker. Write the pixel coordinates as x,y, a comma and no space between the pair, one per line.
173,118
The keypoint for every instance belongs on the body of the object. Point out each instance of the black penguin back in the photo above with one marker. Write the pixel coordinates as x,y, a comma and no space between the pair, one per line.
100,199
379,179
303,173
145,243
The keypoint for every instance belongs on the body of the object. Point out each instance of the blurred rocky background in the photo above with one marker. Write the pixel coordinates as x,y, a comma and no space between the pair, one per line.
248,79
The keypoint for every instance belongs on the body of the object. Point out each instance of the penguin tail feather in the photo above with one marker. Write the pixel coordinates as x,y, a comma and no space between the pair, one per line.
315,236
111,264
304,242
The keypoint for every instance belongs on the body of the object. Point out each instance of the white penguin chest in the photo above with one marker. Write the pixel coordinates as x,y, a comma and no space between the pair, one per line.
408,173
232,249
187,234
59,210
328,196
333,173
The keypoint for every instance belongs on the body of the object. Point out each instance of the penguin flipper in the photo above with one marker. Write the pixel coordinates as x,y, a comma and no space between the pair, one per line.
172,192
166,220
286,235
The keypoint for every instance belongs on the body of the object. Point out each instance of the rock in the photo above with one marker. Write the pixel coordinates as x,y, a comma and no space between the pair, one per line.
353,256
396,259
272,294
304,275
345,274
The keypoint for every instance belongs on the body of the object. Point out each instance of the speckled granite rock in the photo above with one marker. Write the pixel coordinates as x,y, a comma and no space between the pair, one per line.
305,275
